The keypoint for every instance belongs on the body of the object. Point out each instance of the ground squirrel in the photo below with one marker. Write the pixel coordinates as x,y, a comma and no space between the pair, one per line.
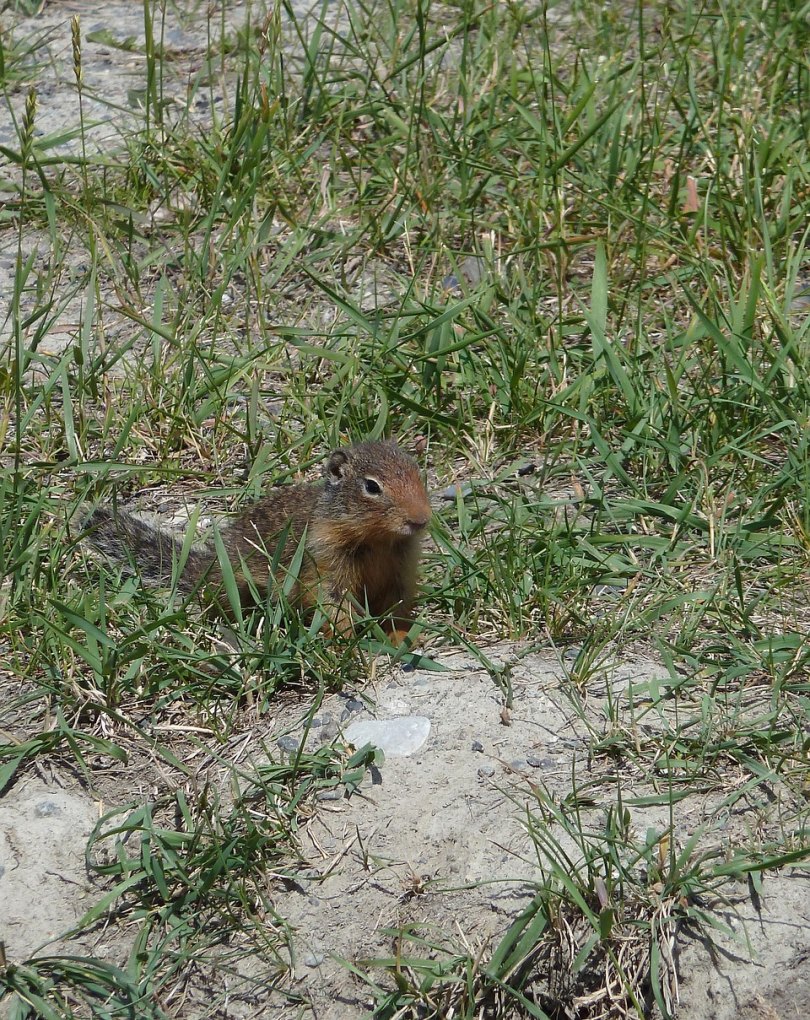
363,525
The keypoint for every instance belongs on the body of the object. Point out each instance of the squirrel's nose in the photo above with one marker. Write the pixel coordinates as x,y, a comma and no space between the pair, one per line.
419,521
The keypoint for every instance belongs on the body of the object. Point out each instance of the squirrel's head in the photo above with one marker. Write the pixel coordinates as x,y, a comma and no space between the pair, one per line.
380,488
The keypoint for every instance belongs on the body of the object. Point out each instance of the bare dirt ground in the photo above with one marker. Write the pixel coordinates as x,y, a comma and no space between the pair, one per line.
436,838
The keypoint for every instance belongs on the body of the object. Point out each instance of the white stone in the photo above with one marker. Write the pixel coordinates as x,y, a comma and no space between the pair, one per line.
396,737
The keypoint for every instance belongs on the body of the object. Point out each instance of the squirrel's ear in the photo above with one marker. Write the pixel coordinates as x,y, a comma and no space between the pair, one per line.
335,466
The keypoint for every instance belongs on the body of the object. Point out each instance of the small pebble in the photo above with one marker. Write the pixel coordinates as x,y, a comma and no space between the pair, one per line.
352,706
312,959
330,730
289,744
471,270
453,491
486,771
476,745
539,763
46,808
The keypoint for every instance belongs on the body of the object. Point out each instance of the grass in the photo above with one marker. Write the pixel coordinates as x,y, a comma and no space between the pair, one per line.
559,249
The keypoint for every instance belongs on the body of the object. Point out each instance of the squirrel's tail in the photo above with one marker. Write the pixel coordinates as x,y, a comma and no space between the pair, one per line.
153,553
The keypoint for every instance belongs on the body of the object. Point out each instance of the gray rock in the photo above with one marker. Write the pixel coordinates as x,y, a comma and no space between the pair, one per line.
471,270
477,746
46,809
330,730
352,706
452,491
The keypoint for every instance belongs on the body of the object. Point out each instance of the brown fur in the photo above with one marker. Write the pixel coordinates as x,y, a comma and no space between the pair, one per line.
361,545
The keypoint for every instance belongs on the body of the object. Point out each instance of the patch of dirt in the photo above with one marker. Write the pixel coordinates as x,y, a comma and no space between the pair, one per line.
436,839
724,981
38,53
113,62
44,887
441,841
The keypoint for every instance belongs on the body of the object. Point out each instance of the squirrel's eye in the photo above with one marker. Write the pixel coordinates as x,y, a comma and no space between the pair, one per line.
371,487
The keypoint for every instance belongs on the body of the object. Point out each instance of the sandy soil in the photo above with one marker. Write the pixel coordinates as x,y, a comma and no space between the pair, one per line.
437,838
